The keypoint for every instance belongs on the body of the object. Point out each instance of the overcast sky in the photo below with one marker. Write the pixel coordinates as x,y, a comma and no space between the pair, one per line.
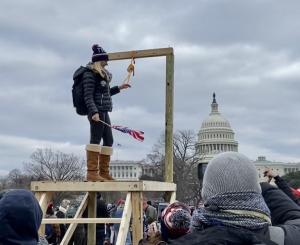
247,52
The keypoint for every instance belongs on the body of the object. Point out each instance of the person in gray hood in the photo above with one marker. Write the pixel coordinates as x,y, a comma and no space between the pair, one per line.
238,210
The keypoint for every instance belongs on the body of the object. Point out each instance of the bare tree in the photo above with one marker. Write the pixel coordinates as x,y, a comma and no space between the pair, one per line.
17,179
185,160
156,159
3,183
48,165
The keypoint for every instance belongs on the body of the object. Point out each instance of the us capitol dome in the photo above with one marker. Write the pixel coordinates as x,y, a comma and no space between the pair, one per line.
215,135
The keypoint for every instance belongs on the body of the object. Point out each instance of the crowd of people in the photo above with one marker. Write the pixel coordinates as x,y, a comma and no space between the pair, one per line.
236,210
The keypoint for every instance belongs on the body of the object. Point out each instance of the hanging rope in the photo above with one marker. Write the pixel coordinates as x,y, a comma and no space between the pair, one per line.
130,70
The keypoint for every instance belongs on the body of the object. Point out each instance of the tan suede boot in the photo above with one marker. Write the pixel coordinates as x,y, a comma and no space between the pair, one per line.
104,160
92,157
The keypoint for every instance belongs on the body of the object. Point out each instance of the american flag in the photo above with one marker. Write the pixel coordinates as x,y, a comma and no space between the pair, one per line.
138,135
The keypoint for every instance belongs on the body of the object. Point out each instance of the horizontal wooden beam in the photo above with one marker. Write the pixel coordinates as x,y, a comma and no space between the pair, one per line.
126,186
146,53
85,186
158,186
83,221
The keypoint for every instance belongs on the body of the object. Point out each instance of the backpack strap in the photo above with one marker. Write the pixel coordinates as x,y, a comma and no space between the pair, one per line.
276,234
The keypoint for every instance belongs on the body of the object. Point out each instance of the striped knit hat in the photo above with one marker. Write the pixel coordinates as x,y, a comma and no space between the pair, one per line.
99,54
176,220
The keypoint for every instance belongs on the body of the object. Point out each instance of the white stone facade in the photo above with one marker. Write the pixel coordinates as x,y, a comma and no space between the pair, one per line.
279,168
149,170
126,170
215,135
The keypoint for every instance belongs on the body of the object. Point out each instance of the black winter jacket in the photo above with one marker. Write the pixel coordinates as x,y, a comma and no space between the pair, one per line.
97,92
284,213
285,216
283,185
221,235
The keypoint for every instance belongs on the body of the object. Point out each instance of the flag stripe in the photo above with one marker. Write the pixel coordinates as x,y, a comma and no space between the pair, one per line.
138,135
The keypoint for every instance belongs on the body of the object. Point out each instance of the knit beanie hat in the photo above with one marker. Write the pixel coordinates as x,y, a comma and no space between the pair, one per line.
232,195
99,54
176,220
229,172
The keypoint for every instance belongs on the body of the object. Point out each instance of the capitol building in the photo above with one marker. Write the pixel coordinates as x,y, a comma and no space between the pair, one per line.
216,136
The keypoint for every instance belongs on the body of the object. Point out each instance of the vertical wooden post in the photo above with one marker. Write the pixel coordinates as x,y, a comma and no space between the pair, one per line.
43,199
125,222
73,226
137,217
92,204
173,197
169,118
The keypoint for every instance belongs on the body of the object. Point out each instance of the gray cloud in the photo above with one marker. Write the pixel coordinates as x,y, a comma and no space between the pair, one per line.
245,51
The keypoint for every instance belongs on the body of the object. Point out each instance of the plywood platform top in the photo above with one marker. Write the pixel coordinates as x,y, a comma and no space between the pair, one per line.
58,186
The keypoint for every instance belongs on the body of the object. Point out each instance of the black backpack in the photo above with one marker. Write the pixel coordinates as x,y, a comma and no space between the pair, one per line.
77,92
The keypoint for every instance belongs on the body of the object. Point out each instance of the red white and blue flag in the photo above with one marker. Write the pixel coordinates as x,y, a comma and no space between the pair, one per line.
138,135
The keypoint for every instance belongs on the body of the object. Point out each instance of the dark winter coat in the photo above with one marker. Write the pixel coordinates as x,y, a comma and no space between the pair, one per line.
20,218
151,214
97,91
220,235
283,185
101,213
62,227
284,213
285,216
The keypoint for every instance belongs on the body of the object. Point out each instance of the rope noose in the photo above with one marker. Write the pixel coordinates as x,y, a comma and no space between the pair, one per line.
130,70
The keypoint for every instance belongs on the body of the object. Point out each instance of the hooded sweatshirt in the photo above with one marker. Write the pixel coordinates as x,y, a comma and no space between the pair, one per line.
20,218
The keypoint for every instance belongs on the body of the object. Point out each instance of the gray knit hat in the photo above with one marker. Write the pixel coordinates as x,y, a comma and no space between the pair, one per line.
229,172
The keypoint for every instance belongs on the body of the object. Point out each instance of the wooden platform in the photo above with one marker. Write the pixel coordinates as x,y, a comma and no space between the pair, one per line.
133,204
133,209
51,186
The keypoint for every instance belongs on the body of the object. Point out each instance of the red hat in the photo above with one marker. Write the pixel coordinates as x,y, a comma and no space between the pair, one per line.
50,210
177,219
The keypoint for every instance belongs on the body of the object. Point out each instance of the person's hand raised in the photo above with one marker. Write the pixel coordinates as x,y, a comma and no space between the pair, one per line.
270,174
